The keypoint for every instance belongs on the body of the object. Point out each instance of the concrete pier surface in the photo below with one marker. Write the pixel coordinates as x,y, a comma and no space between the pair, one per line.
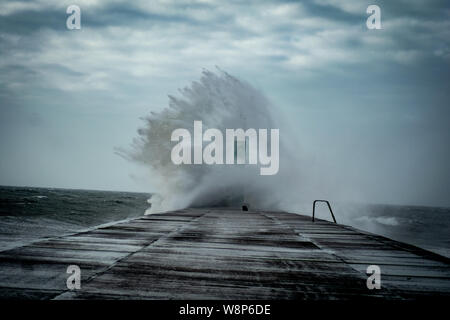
222,253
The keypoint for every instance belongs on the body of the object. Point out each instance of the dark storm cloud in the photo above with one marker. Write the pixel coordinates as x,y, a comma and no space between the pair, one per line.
328,11
126,14
27,22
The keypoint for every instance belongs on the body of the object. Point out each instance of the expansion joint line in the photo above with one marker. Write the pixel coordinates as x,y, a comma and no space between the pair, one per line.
112,265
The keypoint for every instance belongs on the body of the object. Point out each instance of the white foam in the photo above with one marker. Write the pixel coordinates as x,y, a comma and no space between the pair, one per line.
223,102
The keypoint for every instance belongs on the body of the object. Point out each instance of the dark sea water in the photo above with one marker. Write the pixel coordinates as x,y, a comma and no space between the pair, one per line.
29,214
425,227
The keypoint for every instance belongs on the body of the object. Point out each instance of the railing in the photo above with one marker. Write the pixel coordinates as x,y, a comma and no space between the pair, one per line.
329,207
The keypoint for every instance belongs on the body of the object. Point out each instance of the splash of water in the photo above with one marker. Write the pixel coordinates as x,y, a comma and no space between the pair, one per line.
220,101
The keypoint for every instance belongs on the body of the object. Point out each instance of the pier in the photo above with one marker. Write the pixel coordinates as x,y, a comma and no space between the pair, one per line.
222,253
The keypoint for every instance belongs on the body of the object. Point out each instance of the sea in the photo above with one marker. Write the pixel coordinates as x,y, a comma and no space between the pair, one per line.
30,214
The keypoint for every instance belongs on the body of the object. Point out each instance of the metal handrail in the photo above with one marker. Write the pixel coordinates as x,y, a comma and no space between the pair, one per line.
329,207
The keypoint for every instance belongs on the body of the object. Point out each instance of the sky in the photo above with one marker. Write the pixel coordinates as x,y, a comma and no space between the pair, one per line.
369,107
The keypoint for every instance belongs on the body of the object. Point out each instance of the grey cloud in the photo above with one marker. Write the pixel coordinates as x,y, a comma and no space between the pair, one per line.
381,95
27,22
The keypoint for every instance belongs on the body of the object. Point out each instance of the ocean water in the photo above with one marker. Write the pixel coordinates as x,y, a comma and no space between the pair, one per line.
29,214
425,227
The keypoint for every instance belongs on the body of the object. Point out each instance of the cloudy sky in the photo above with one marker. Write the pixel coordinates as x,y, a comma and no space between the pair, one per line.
370,107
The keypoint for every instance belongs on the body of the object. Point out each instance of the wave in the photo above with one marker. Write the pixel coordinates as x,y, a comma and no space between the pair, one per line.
220,101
